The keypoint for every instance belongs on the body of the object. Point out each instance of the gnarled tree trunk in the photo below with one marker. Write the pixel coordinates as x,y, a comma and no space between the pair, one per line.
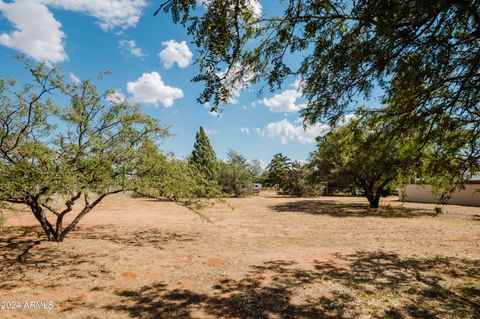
58,233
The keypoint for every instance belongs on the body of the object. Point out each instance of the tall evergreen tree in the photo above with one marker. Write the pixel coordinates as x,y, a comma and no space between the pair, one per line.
203,156
204,161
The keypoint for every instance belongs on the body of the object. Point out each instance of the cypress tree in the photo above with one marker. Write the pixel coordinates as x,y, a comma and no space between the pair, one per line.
204,161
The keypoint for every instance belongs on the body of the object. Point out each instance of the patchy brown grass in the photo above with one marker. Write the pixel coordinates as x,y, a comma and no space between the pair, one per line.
260,257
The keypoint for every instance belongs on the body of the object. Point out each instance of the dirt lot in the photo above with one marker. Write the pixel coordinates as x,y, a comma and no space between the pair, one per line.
260,257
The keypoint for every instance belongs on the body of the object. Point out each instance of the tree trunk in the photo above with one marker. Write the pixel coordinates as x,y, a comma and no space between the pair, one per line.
42,219
373,199
59,229
88,208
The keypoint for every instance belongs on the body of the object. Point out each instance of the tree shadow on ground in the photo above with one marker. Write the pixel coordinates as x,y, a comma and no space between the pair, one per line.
335,209
364,284
25,252
151,237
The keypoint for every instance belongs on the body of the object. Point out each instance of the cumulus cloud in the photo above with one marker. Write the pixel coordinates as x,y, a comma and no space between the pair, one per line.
210,112
245,130
215,114
211,132
150,89
116,97
254,5
235,80
111,14
286,101
74,78
286,131
37,33
131,48
175,52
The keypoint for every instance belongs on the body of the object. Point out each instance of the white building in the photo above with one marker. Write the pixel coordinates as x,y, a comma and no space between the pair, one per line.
469,196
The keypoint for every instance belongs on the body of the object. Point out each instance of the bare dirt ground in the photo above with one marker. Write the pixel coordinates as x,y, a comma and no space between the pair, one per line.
260,257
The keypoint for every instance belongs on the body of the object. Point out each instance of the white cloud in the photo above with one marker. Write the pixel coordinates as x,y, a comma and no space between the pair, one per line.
74,78
111,14
150,89
286,131
37,33
245,130
210,112
116,97
215,114
131,47
286,100
175,52
235,80
255,6
211,132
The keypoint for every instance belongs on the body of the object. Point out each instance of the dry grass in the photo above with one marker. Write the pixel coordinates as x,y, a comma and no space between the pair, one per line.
260,257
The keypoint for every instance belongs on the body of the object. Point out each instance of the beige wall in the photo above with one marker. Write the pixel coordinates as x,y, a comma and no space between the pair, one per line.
423,194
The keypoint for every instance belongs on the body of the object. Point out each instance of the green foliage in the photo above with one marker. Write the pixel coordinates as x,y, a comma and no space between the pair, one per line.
164,176
358,153
423,55
277,170
203,156
235,175
297,182
293,178
328,163
52,157
204,161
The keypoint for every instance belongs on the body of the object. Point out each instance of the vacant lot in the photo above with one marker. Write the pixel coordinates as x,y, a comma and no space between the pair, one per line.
259,257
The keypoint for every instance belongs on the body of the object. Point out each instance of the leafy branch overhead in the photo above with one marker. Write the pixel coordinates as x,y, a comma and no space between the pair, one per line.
424,56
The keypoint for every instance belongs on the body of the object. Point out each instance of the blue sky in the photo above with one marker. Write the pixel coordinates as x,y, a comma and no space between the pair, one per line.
85,37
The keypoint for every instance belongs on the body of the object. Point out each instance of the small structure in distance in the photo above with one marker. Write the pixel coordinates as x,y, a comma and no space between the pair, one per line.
257,187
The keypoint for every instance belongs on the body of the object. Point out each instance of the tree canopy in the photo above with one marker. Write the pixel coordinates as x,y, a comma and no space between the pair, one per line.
297,182
423,55
235,175
62,160
277,170
355,154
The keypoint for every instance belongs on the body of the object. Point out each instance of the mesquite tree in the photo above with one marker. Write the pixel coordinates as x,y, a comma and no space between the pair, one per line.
62,161
355,153
235,177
